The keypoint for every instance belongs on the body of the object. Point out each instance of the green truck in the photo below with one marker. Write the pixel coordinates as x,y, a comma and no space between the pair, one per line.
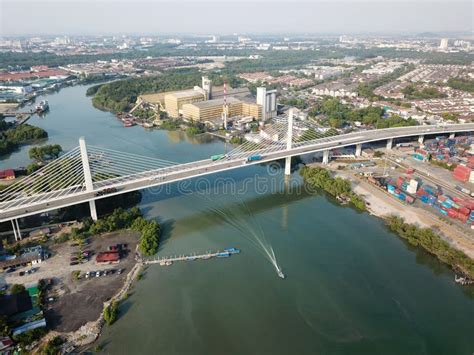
217,157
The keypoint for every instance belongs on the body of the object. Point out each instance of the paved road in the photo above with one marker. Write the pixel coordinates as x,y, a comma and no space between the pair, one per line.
52,200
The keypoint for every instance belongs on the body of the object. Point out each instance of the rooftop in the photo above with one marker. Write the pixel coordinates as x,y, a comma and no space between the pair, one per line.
216,102
186,93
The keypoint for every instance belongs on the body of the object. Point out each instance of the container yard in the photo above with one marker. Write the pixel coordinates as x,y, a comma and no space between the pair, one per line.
409,190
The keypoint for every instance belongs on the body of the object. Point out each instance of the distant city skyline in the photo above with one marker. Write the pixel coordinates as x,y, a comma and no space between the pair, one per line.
27,17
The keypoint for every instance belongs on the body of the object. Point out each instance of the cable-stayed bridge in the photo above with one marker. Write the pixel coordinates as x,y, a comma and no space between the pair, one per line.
88,173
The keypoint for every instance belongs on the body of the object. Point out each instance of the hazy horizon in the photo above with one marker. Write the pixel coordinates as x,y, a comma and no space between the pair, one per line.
87,17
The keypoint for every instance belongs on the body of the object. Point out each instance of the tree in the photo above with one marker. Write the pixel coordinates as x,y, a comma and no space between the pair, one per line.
150,238
111,313
45,152
52,346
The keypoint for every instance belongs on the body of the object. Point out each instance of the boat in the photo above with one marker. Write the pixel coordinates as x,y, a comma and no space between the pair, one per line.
191,258
232,250
463,280
128,123
168,263
148,125
223,254
162,263
42,106
205,257
281,275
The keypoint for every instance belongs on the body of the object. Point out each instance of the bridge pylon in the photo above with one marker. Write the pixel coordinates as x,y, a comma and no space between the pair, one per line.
87,175
289,142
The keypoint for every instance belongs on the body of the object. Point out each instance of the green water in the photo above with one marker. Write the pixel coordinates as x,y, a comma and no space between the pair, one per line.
351,286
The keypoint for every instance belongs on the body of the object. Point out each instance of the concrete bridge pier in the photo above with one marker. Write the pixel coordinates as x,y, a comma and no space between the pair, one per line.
326,156
358,152
16,229
421,139
87,175
93,210
389,144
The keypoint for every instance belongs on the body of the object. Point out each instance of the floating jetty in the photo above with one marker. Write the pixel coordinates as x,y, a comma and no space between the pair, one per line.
169,260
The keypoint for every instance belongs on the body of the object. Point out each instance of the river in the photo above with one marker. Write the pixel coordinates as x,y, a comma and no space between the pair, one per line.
352,287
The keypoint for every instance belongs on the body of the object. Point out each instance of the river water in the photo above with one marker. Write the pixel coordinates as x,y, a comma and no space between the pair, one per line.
352,287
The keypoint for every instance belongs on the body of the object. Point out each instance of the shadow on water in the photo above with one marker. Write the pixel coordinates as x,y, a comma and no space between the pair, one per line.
166,232
255,205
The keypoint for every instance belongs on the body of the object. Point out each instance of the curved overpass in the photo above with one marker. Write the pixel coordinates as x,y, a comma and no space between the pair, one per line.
30,205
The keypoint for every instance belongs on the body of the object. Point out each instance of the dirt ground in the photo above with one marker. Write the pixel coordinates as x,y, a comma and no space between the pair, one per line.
383,205
77,302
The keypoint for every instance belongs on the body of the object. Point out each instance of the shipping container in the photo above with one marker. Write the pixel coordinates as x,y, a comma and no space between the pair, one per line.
452,213
462,218
465,211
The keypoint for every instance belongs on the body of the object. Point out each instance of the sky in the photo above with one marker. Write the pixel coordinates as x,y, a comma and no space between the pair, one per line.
18,17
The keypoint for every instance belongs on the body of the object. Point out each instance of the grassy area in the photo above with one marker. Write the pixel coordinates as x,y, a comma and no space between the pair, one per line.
338,187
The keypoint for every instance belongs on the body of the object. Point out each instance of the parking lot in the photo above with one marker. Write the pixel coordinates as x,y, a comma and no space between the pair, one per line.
79,287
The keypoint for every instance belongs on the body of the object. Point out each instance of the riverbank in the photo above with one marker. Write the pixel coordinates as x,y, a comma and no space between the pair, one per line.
381,205
90,332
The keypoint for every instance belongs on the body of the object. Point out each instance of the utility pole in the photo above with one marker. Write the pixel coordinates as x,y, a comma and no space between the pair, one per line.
87,175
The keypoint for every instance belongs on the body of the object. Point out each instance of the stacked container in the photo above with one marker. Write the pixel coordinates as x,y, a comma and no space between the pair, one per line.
462,173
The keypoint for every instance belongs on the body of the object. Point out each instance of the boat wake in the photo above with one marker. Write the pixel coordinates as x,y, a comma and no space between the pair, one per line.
249,227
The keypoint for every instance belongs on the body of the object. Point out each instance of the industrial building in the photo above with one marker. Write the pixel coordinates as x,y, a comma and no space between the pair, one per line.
212,109
209,104
267,100
174,101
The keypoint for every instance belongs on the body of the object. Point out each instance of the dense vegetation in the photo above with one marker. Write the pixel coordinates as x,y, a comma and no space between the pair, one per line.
45,152
111,313
123,219
338,187
11,137
462,84
413,93
270,59
431,242
338,115
52,347
120,95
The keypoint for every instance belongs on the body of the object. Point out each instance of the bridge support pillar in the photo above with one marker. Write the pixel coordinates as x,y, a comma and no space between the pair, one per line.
358,152
421,139
87,175
452,135
326,156
389,144
16,229
289,141
93,210
288,166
